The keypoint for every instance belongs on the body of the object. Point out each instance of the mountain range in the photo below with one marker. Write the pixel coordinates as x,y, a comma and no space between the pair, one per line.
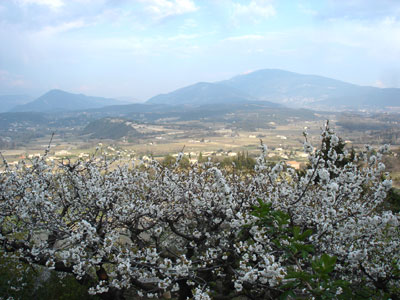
58,100
285,88
8,102
203,93
301,90
273,87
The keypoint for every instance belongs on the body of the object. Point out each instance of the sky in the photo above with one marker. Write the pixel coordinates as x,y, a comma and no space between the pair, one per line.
141,48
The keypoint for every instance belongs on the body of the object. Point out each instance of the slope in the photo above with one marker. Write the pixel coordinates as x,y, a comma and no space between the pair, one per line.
58,100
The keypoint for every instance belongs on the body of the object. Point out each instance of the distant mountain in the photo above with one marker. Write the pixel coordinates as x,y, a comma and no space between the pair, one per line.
129,99
298,90
8,102
202,93
58,100
283,87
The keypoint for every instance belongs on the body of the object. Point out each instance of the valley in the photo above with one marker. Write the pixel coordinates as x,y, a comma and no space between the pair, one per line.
214,137
208,120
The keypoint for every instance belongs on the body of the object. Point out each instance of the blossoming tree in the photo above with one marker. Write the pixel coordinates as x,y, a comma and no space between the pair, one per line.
206,233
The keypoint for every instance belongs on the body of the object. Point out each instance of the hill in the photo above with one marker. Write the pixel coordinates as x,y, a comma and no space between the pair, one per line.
285,88
8,102
312,91
58,100
110,128
202,93
8,120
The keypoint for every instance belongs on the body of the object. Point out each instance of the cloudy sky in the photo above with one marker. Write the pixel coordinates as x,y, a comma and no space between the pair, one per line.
140,48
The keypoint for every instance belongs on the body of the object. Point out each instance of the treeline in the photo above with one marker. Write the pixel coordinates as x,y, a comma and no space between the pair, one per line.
242,161
358,124
109,128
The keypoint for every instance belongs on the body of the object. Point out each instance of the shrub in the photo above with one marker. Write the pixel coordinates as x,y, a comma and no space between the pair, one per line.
202,232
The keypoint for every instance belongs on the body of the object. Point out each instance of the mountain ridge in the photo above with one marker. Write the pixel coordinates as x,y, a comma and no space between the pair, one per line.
58,100
8,102
201,93
285,88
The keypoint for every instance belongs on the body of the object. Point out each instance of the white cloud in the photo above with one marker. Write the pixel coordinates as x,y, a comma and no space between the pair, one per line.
252,37
189,24
64,27
52,4
379,84
247,72
180,37
361,9
164,8
255,9
307,10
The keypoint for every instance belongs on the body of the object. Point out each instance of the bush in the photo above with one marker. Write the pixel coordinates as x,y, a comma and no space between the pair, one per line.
202,232
19,280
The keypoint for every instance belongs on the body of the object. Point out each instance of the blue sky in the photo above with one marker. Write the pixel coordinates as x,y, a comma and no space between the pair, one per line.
140,48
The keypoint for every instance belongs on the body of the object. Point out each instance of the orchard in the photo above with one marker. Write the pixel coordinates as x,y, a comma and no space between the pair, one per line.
206,232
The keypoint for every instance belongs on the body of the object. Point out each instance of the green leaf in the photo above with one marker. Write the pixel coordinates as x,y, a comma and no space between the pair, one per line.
324,265
287,294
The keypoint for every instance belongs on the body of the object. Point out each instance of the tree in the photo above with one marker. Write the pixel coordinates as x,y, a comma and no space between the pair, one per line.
168,161
202,232
202,159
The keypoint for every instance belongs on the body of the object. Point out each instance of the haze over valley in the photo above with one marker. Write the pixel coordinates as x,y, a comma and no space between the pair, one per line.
219,119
